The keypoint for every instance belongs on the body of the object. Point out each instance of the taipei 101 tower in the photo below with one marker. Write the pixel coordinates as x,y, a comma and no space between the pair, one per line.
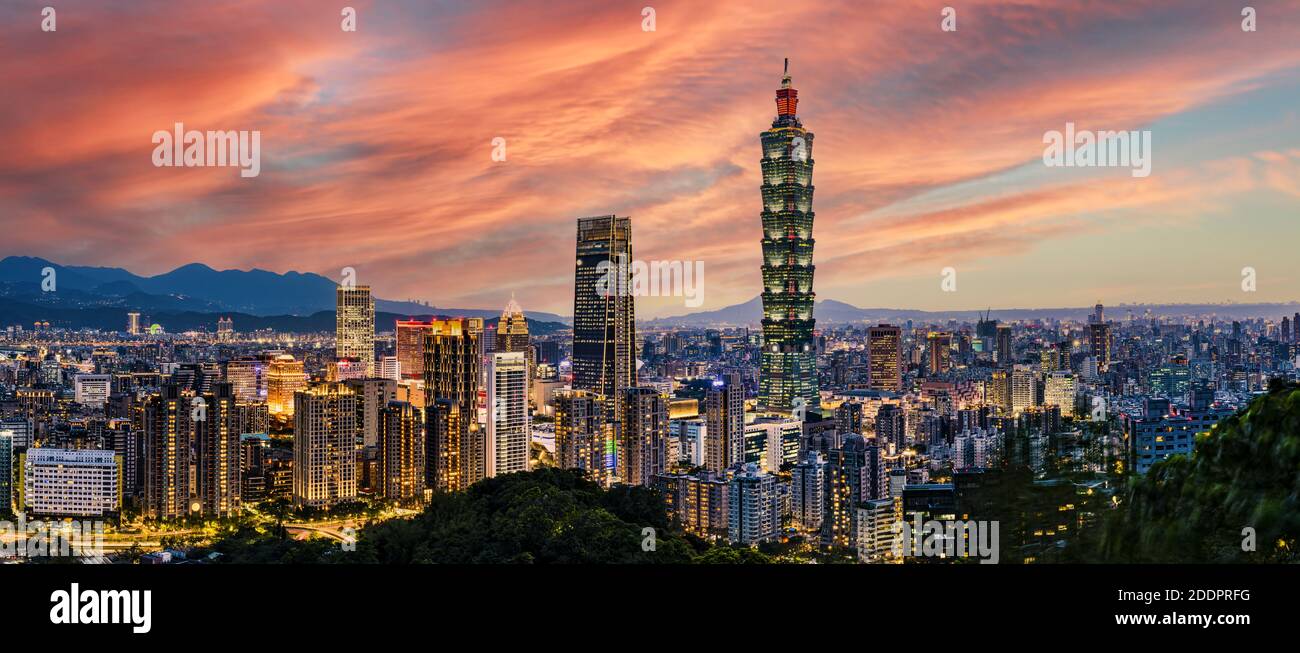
788,372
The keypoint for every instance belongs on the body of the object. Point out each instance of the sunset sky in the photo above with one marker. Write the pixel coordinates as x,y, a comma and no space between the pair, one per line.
376,145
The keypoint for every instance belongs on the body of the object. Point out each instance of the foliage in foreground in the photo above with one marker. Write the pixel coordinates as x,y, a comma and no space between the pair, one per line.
546,516
1243,473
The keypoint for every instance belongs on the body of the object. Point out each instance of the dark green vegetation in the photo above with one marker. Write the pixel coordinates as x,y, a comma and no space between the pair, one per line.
1245,473
544,516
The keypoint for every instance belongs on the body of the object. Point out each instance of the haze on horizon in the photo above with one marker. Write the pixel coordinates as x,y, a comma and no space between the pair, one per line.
376,145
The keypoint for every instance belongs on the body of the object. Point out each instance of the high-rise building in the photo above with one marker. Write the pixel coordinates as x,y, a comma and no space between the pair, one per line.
997,391
401,452
875,531
190,452
1059,389
1099,340
133,324
324,445
583,439
125,438
284,379
1023,386
788,366
698,502
643,448
354,331
167,446
216,453
71,482
753,506
848,417
1157,431
808,493
6,472
1005,352
891,428
389,368
604,331
225,329
512,329
451,371
92,389
248,378
410,347
773,442
373,395
508,430
939,350
884,357
855,472
1295,328
724,437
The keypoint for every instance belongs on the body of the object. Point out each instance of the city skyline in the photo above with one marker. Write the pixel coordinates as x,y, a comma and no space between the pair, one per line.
931,154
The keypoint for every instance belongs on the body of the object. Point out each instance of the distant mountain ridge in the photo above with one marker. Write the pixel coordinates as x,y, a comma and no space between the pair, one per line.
829,311
198,287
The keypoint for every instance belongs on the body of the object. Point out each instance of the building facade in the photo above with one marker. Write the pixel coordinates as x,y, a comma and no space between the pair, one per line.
788,365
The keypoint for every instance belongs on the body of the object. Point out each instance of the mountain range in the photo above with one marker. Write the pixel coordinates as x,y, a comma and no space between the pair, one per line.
193,296
199,288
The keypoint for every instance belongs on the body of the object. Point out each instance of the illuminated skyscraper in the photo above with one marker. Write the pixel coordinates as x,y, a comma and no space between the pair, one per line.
581,433
324,445
354,322
789,365
451,372
1099,340
753,507
808,493
512,329
225,329
997,390
1060,389
284,377
6,471
604,332
939,350
166,435
133,323
410,347
1023,381
643,450
885,354
724,438
1005,353
170,483
216,453
248,377
508,431
401,452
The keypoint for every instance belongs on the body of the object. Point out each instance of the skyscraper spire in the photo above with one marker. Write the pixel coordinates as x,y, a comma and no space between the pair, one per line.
787,98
